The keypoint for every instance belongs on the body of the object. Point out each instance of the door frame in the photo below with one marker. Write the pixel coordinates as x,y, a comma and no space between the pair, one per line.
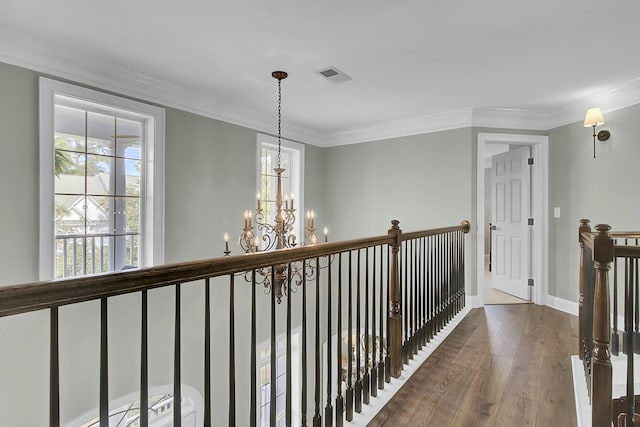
540,201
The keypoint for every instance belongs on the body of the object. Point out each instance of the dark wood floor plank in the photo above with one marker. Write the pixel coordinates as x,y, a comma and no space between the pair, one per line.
490,381
502,366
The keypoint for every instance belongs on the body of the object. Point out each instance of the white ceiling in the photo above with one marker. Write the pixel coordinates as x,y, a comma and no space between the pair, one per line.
416,65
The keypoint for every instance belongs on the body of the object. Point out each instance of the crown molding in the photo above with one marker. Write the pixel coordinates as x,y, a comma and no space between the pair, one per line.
25,50
403,127
511,118
542,119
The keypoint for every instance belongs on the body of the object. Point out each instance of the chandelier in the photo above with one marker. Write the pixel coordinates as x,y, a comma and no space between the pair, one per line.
260,235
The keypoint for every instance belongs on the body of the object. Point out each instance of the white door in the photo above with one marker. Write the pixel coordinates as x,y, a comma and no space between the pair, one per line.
511,202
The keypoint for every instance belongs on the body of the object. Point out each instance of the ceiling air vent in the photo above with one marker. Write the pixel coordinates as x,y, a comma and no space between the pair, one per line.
334,75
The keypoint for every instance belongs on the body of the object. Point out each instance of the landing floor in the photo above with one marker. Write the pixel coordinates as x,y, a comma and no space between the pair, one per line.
504,365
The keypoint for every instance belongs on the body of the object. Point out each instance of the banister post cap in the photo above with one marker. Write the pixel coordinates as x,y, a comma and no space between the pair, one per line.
466,226
583,228
396,232
603,244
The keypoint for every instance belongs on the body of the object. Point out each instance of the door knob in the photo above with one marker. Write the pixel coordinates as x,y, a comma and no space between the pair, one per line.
493,227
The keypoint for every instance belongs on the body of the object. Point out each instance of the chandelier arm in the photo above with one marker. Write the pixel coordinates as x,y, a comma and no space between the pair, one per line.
260,217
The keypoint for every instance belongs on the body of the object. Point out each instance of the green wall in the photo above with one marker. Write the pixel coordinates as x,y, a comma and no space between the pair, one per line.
424,181
19,175
603,189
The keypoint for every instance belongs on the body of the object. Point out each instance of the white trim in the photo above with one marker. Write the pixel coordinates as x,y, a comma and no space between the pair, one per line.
580,393
397,128
152,252
390,389
564,305
472,301
298,149
511,118
540,186
47,226
26,51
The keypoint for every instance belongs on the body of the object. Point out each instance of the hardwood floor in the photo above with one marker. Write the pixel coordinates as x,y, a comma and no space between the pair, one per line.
504,365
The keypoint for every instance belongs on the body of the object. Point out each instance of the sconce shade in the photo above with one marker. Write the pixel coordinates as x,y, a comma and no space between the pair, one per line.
593,118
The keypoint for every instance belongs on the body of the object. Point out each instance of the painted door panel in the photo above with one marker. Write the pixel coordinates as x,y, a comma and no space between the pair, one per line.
510,197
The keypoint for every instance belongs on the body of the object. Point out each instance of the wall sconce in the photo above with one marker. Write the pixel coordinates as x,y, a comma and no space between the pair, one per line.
594,118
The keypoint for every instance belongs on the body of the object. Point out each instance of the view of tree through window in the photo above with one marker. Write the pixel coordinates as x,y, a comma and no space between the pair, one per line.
97,191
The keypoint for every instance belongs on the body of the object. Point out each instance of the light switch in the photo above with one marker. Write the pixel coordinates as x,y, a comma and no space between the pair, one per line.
556,212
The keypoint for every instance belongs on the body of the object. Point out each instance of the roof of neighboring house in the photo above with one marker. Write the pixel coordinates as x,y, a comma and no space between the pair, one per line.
70,192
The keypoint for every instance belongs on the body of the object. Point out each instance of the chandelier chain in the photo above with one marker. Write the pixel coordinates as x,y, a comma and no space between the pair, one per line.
279,117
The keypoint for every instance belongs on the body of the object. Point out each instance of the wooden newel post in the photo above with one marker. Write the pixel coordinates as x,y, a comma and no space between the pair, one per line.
395,311
601,360
584,228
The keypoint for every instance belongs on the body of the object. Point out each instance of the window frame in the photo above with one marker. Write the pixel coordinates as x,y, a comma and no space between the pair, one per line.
152,187
297,167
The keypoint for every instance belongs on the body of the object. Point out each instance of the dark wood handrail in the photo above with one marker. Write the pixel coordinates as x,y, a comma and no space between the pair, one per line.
625,234
34,296
23,298
465,226
620,250
627,251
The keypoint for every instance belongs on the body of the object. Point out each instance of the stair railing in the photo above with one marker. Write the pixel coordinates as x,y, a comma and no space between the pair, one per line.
598,329
404,288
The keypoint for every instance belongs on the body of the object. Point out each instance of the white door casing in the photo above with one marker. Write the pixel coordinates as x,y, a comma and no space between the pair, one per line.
539,145
511,210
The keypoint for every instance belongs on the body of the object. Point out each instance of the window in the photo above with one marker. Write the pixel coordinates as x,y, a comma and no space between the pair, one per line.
292,160
160,413
265,383
101,182
125,410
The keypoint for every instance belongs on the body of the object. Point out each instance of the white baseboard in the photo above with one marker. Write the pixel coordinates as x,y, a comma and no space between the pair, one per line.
472,301
583,408
567,306
390,389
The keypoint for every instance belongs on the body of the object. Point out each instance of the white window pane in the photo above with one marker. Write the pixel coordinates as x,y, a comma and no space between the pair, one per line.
100,133
280,402
69,214
128,138
69,128
70,172
99,175
281,385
